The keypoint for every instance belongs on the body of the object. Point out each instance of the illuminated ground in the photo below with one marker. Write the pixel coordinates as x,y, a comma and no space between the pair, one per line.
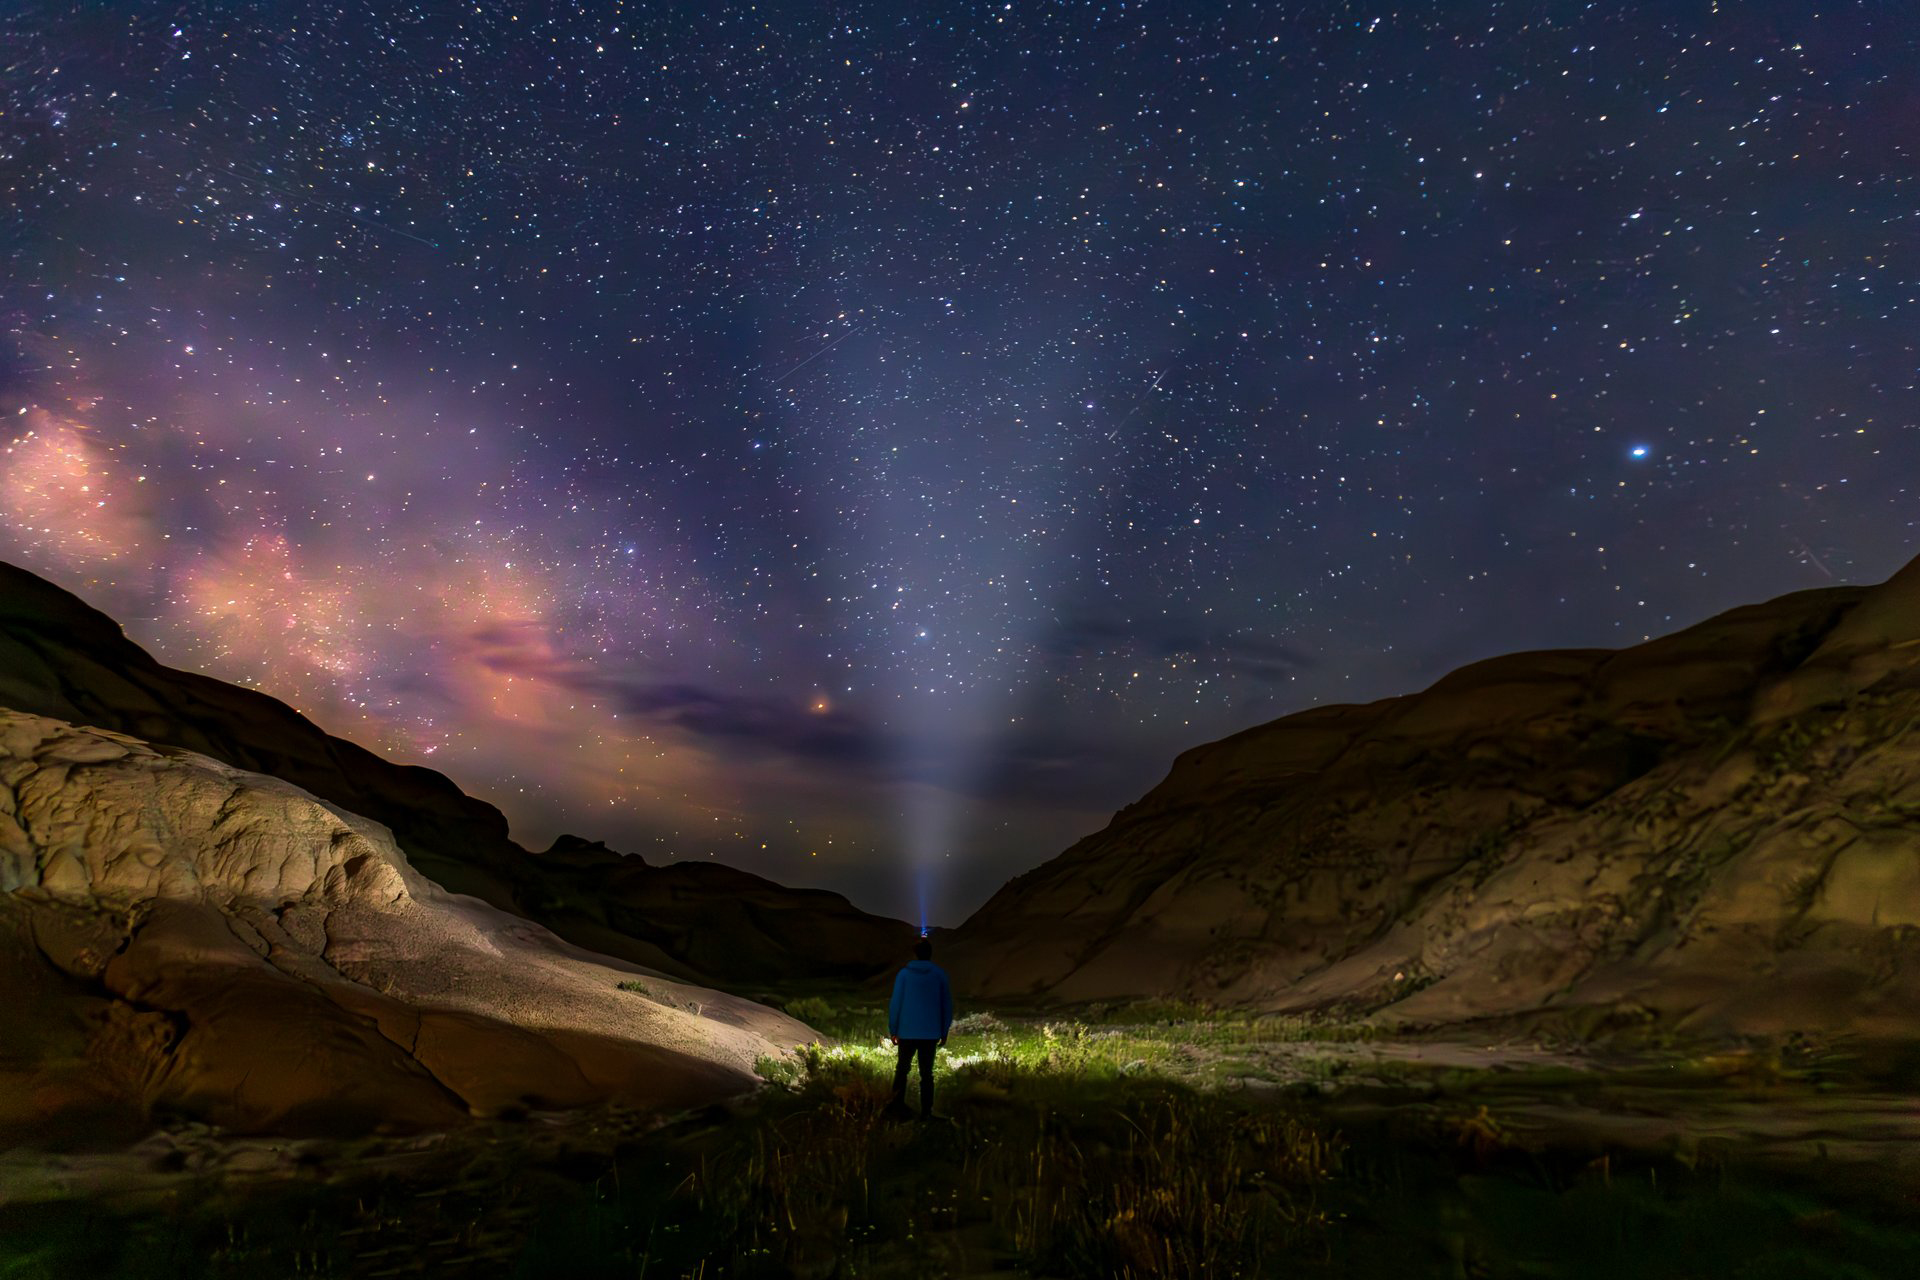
1155,1141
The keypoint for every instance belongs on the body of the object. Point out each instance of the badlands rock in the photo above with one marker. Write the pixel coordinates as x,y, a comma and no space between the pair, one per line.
62,659
180,934
1720,828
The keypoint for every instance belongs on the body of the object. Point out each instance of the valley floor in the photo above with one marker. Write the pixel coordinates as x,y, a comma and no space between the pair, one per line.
1145,1141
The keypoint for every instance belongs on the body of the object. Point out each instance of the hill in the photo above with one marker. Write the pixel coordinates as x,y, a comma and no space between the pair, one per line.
62,659
182,937
1718,829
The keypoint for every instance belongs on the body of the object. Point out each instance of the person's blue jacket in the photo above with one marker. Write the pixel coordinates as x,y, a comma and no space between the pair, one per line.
922,1007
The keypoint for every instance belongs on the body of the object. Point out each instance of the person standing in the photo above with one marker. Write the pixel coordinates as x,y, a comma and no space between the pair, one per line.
917,1022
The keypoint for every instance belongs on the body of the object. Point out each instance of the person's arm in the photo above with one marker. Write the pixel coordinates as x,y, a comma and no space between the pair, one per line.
946,1007
893,1009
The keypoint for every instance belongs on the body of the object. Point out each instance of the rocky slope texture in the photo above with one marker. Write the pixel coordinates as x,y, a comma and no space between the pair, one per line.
62,659
178,934
1719,829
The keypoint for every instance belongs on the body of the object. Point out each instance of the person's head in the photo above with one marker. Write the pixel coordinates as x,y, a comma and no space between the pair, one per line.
923,950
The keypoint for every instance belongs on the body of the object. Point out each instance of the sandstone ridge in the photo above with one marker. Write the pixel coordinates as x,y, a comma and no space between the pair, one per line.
63,659
187,937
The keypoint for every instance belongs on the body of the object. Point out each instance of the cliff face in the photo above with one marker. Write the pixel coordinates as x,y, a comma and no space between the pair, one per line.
61,659
179,934
1721,827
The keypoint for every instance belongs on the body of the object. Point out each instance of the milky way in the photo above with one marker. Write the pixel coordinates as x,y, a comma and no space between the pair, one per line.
865,443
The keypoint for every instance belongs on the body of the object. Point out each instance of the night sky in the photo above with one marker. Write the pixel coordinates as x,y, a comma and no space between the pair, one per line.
863,444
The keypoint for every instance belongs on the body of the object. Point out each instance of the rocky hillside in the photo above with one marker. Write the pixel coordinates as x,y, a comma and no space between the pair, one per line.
61,659
1719,829
180,936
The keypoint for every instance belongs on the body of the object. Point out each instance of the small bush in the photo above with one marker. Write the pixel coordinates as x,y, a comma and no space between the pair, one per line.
1066,1046
978,1024
784,1072
812,1010
1172,1012
638,987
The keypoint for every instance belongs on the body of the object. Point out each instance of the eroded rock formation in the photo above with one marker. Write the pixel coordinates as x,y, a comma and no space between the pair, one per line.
1719,828
63,659
180,934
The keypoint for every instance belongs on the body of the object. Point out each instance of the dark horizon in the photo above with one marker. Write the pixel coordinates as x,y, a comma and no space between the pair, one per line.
866,447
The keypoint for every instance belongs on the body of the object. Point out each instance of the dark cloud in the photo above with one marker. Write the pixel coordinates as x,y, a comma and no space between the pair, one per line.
1072,769
754,724
738,724
1087,636
1059,763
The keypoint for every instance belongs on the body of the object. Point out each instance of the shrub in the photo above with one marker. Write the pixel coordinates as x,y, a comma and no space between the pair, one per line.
812,1010
785,1072
978,1024
1067,1046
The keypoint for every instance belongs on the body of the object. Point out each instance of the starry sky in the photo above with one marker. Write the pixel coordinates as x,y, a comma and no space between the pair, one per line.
865,443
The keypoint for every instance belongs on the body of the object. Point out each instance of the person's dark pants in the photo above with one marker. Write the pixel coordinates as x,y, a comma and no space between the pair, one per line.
908,1048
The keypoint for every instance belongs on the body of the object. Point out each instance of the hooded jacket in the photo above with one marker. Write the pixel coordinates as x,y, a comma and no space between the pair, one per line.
922,1007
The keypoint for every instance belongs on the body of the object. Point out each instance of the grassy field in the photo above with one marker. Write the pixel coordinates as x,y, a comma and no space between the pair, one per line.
1145,1141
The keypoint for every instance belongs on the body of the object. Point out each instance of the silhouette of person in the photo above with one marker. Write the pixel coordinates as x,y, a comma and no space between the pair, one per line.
917,1022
